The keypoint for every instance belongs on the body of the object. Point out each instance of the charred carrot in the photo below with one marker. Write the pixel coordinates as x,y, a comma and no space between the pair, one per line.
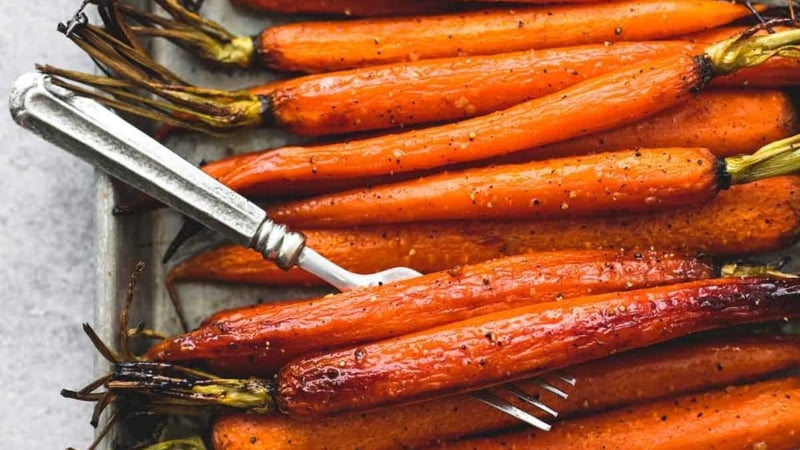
758,416
488,350
648,374
754,218
473,354
607,183
362,8
278,332
216,111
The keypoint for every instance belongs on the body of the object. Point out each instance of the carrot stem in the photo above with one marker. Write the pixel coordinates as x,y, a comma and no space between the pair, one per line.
194,443
775,159
171,385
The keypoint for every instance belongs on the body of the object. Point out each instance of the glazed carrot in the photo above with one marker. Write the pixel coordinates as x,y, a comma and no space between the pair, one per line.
496,348
435,90
590,185
404,94
598,104
754,218
428,91
726,122
758,416
326,46
278,332
626,95
648,374
363,8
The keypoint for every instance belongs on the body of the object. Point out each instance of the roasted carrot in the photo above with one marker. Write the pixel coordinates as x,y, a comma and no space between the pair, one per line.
598,104
488,350
363,8
759,217
436,90
327,46
726,122
648,374
591,185
428,91
277,332
217,111
754,417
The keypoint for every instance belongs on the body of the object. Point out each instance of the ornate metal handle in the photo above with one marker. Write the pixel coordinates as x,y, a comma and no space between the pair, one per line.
93,133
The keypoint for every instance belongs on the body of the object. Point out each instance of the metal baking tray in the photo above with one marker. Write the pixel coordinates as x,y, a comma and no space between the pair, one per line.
124,241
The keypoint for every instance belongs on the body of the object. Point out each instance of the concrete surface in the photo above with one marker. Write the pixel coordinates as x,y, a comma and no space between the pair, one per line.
46,250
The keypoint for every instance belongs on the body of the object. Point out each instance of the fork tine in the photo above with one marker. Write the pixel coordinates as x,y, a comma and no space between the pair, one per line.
552,389
527,398
566,378
506,407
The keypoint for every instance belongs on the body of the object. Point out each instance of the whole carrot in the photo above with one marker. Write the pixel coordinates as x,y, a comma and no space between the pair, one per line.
493,349
463,356
363,8
753,218
648,374
438,90
591,185
278,332
216,111
326,46
598,104
758,416
727,122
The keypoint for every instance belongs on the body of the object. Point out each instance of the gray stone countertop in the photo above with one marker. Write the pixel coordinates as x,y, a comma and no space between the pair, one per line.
47,275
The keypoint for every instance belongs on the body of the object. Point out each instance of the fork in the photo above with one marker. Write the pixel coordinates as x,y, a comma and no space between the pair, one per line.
91,132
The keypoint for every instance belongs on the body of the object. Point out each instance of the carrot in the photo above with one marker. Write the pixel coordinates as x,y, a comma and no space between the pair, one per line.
364,8
759,416
435,90
726,122
277,332
759,217
598,104
648,374
336,46
591,185
427,91
496,348
325,46
634,92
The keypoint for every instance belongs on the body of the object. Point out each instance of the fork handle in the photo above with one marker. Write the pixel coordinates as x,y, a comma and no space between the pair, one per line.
93,133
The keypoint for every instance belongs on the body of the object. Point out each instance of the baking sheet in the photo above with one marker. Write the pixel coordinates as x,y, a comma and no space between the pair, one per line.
124,241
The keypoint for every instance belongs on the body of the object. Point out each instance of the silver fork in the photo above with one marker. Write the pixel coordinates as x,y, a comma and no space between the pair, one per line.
93,133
